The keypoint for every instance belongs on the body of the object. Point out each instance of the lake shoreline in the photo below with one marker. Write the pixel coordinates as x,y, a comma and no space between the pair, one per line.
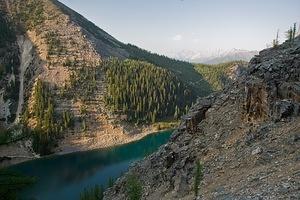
83,144
66,176
19,152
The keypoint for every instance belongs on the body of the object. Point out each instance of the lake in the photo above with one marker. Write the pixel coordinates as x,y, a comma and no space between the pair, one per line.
65,176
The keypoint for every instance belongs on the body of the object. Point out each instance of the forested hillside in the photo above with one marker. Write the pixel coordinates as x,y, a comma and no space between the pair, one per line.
145,92
217,75
183,70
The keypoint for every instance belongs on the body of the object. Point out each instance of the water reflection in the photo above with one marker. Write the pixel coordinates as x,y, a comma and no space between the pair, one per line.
64,176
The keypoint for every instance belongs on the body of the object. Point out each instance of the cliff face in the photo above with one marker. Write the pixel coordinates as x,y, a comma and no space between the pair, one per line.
246,137
51,43
47,41
9,65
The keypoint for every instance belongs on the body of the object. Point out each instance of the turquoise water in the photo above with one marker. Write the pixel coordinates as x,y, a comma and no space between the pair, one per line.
65,176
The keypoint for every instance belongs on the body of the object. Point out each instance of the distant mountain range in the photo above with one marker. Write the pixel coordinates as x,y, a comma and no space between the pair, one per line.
218,57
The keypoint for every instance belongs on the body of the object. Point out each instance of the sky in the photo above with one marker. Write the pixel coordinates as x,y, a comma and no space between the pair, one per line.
206,26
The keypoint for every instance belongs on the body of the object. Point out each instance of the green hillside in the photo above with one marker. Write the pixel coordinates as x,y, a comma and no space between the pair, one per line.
214,74
183,70
144,92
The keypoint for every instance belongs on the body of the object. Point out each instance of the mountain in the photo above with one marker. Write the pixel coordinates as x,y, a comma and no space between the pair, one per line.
217,57
220,75
107,46
103,43
55,81
240,143
235,54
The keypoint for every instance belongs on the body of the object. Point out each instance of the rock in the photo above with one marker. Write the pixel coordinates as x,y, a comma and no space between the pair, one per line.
170,160
283,109
256,151
295,138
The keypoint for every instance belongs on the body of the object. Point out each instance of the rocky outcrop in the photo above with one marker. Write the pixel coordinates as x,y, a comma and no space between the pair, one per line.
246,137
272,88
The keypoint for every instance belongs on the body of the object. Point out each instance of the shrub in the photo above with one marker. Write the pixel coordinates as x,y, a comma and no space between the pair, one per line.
198,177
133,188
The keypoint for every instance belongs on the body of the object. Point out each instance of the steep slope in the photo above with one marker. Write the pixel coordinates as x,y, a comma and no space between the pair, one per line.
143,92
46,46
246,139
183,70
221,74
107,46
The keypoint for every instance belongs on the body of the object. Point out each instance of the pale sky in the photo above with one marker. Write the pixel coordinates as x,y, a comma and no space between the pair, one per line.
166,26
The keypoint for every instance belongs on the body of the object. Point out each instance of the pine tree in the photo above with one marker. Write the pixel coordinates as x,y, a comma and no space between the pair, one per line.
276,40
142,91
198,177
289,34
294,31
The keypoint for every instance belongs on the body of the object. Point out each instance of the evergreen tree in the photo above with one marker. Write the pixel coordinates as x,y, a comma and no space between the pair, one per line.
294,31
276,40
291,33
198,177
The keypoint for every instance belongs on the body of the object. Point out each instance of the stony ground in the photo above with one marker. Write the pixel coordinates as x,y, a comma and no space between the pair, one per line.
248,141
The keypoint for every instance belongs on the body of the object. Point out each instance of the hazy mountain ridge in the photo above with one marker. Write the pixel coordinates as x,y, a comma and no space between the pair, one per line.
217,57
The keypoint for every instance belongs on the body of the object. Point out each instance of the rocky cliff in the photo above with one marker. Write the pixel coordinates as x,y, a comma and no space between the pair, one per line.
246,139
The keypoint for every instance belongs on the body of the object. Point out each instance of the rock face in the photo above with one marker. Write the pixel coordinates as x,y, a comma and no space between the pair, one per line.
104,43
246,137
9,65
55,44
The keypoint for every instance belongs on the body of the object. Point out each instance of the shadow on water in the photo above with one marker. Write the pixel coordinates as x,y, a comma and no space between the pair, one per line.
65,176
